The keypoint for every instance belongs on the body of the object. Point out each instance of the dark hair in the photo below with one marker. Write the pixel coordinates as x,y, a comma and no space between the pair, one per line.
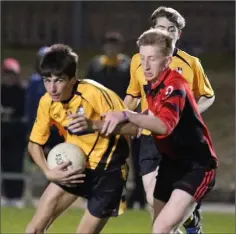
113,38
171,14
59,60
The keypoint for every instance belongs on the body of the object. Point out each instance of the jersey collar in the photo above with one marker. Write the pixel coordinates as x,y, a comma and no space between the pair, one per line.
175,51
72,94
162,76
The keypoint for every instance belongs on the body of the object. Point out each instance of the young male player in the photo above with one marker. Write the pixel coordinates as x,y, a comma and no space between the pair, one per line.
187,168
106,169
170,21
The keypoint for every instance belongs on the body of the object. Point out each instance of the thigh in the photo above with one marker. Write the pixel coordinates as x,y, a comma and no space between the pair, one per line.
198,181
107,196
149,157
166,177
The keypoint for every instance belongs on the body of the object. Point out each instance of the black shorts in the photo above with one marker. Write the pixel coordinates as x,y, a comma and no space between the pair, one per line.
193,178
149,157
104,191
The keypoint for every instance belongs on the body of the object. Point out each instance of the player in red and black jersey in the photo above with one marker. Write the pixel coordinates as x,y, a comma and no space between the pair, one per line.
187,168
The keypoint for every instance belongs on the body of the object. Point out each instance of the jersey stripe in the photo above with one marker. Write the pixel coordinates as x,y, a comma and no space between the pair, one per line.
180,57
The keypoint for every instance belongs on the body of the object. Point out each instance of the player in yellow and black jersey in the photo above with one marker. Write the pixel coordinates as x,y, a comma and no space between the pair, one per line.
190,68
106,169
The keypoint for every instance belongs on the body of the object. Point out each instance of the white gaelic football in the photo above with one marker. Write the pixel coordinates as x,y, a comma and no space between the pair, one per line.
66,152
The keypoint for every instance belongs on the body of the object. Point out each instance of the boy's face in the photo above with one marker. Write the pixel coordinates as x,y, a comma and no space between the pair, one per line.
153,61
59,88
162,23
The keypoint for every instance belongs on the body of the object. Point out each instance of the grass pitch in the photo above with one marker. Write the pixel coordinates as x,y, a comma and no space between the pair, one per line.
133,221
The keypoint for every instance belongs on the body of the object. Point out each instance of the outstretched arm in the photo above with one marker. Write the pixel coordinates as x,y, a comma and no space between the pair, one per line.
80,123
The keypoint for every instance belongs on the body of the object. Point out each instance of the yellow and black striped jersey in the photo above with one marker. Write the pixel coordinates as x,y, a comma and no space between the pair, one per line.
95,100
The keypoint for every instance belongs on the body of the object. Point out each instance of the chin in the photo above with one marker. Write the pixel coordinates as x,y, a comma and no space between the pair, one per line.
56,99
149,79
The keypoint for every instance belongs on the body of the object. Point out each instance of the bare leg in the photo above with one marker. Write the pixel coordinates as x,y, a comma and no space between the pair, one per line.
149,182
52,203
158,206
174,213
90,224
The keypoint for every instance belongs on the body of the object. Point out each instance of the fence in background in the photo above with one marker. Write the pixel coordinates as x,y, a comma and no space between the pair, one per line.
210,26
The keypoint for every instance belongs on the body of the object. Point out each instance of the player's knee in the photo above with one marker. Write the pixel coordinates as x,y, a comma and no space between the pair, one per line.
163,226
149,196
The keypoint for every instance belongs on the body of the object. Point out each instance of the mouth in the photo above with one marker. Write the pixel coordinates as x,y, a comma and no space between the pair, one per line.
148,74
55,97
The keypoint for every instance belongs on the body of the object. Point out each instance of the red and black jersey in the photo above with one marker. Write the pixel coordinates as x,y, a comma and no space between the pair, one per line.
171,100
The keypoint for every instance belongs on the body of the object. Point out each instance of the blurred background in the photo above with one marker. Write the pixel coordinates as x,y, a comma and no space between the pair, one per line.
27,27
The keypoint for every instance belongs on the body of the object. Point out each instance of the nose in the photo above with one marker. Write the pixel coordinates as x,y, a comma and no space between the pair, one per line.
52,87
146,65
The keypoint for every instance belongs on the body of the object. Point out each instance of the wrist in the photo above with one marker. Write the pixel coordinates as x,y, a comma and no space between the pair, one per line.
95,125
125,115
128,114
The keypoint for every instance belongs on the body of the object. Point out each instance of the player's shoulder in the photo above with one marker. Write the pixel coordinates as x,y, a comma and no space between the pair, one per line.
176,79
46,101
87,85
89,88
92,90
190,59
136,59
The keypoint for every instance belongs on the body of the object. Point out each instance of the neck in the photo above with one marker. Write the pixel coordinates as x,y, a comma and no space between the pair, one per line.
154,81
71,91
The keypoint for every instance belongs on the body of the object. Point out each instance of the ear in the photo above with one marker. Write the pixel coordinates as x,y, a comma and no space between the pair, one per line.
73,80
168,61
180,34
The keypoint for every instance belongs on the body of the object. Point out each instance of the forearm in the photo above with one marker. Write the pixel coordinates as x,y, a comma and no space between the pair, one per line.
122,128
36,152
204,103
151,123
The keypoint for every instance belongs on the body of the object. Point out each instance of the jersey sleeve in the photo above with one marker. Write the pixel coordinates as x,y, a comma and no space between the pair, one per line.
41,129
201,84
172,105
134,88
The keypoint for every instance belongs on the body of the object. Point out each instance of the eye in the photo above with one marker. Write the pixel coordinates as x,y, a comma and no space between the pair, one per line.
172,30
153,59
160,27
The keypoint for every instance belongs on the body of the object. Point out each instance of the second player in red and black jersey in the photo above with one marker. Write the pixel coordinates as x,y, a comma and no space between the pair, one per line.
188,164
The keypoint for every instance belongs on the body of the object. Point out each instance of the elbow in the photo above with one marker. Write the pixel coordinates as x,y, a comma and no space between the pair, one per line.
163,130
209,101
30,147
212,99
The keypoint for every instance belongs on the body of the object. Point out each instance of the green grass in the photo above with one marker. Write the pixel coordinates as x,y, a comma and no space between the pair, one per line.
15,220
